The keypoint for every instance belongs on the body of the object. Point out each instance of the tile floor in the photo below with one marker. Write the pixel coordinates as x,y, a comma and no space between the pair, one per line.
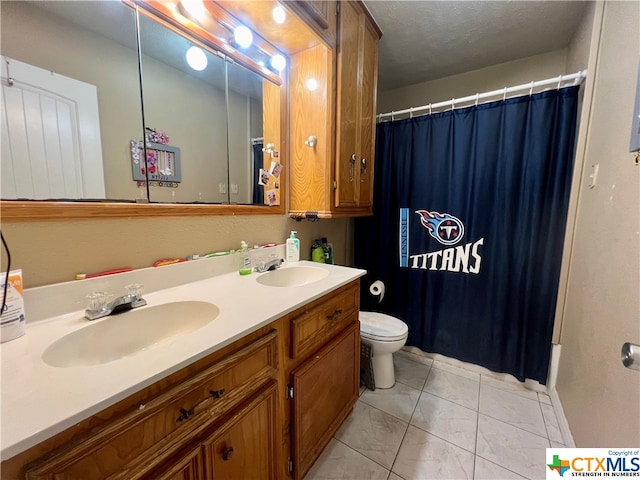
442,422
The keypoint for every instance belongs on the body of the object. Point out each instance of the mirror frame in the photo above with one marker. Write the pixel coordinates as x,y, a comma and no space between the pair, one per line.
36,210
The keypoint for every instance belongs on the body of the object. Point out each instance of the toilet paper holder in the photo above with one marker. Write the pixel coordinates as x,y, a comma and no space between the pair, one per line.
630,355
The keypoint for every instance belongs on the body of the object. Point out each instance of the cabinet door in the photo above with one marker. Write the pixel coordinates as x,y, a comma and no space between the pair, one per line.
369,87
319,14
244,448
348,100
186,467
325,388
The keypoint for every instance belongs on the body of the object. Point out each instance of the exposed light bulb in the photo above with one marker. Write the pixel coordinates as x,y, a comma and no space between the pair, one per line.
278,62
243,36
195,8
311,84
279,14
196,58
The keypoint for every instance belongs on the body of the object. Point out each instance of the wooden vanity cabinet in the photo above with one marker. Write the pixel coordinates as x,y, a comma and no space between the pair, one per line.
262,408
334,178
145,439
324,372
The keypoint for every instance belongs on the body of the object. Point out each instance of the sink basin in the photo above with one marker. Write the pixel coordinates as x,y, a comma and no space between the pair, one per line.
125,334
292,276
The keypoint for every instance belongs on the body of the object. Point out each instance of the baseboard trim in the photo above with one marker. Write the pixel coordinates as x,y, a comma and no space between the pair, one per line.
563,424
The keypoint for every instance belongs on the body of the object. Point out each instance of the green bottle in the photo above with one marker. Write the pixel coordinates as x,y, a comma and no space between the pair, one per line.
327,251
317,252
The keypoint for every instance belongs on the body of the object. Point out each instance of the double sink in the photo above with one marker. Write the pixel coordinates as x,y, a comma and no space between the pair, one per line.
125,334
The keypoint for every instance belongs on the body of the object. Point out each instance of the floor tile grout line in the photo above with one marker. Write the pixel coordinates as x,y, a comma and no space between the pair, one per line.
443,439
448,400
514,426
475,453
384,411
501,466
544,422
360,453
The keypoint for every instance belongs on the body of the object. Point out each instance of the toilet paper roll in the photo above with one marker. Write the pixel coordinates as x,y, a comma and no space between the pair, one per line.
377,289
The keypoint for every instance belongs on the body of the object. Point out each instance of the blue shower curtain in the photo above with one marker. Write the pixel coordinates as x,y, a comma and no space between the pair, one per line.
470,209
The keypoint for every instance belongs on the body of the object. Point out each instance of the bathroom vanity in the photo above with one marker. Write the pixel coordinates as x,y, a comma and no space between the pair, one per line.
257,392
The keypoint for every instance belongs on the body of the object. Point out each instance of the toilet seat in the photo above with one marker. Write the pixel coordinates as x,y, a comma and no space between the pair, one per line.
382,327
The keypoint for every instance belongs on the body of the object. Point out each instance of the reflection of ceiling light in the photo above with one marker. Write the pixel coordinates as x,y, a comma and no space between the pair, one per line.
243,36
196,59
312,84
278,62
195,8
279,14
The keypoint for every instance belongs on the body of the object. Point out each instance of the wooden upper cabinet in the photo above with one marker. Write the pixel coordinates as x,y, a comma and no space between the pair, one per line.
320,15
355,112
335,179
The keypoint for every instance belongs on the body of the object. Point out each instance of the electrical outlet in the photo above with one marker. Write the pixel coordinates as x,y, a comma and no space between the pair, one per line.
223,187
234,188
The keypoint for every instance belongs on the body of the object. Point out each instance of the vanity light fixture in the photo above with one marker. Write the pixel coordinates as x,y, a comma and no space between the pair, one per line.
278,62
279,14
195,8
311,84
243,36
196,58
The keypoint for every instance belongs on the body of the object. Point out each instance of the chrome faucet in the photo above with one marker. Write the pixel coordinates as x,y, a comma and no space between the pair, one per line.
100,306
270,265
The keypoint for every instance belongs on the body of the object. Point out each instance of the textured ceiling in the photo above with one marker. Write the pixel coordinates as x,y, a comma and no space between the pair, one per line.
426,40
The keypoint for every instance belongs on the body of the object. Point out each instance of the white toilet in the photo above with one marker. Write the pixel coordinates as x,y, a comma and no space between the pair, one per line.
387,335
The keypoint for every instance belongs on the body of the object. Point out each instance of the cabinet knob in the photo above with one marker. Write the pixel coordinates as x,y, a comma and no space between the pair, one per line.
334,315
311,141
227,453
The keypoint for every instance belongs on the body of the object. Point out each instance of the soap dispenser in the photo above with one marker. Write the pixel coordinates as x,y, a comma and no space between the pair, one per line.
293,247
245,266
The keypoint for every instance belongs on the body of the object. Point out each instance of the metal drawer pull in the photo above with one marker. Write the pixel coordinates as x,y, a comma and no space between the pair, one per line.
184,415
363,169
217,393
352,164
335,315
227,453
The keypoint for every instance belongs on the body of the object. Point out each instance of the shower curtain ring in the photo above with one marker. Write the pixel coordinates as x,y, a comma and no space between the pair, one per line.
393,115
559,81
531,89
429,109
453,104
410,112
504,95
477,98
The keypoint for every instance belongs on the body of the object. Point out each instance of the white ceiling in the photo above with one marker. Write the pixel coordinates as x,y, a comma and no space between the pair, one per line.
426,40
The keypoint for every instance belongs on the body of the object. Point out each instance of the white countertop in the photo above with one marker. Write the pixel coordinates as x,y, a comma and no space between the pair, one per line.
39,401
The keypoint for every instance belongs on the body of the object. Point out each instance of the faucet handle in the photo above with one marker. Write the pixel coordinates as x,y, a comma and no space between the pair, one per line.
135,289
97,301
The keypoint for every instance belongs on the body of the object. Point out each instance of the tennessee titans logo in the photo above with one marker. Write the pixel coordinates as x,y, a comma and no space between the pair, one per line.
445,228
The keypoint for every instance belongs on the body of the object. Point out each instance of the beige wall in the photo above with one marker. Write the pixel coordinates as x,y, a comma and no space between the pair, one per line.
601,399
517,72
52,252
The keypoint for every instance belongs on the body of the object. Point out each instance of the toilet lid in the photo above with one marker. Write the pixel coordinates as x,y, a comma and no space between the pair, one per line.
383,327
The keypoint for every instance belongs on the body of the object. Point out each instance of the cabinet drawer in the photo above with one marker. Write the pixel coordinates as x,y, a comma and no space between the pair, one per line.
317,324
138,440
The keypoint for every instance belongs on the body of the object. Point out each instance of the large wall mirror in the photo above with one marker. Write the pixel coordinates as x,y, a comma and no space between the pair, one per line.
76,82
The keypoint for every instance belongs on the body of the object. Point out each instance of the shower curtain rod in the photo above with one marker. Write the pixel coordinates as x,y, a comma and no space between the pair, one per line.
576,77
